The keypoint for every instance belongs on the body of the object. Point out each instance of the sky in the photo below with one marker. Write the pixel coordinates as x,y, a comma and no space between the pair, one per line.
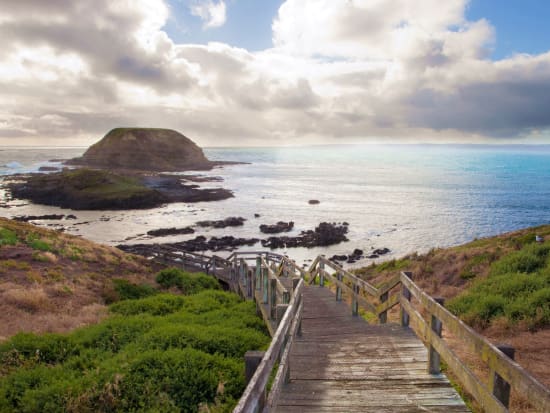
276,72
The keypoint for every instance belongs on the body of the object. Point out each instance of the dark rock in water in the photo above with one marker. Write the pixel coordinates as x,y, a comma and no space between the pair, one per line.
338,258
325,234
197,244
48,169
145,149
27,218
345,223
277,228
381,251
350,260
313,202
227,222
71,216
257,215
357,252
372,256
162,232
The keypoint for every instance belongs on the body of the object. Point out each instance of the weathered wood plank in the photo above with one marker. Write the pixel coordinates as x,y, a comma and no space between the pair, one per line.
342,364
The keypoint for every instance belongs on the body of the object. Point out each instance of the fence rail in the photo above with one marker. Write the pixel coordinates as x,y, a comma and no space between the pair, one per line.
276,282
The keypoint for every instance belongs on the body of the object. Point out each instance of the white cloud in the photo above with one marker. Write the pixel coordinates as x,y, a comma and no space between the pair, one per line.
338,70
213,14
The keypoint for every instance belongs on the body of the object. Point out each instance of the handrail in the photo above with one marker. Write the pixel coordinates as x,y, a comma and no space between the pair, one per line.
283,322
255,394
499,364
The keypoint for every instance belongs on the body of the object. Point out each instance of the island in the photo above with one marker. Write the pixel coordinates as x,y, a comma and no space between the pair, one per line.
130,168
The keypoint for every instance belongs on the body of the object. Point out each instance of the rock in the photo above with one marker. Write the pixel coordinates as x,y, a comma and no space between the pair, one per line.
357,252
48,169
313,202
197,244
277,228
381,251
227,222
27,218
163,232
372,256
324,234
71,216
338,258
144,149
257,215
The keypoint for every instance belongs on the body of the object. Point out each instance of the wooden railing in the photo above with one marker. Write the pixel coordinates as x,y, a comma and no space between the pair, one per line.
256,397
262,276
505,373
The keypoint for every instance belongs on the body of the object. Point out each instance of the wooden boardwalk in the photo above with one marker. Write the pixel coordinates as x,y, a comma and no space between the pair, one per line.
340,363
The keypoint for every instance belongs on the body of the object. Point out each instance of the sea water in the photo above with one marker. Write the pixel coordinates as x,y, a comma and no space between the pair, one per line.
404,197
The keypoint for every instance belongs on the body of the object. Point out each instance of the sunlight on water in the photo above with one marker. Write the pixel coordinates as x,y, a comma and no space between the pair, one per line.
406,198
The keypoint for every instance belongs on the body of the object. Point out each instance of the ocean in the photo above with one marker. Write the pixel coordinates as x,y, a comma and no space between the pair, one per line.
403,197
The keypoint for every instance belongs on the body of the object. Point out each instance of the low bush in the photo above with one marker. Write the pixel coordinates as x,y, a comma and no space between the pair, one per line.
163,353
130,291
7,237
187,283
517,288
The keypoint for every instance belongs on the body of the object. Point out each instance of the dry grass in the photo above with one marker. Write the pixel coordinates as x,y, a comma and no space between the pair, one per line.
60,289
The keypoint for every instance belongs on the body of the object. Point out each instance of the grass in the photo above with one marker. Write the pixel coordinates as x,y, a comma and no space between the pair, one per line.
517,290
163,352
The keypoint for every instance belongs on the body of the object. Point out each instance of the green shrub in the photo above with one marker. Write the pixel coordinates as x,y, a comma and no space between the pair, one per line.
517,288
7,237
36,243
187,283
160,304
130,291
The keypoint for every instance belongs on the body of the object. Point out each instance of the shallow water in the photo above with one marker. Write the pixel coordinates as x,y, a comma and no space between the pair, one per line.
404,197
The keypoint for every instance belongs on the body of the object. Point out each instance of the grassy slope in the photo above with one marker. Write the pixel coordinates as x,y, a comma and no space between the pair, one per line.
499,285
54,282
143,350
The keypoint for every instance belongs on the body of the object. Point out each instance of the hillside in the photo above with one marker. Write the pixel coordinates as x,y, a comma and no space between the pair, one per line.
55,282
498,285
148,340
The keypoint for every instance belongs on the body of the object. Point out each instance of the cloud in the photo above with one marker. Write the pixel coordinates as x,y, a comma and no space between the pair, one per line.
338,71
213,14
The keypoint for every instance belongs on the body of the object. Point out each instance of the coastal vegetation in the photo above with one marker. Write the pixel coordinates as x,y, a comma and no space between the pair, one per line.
161,339
498,285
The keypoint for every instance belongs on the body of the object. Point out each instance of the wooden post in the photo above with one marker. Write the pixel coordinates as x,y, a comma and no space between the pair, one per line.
501,388
405,295
250,284
355,301
258,273
273,298
340,277
321,274
434,361
265,285
252,360
280,310
242,274
383,316
286,297
295,282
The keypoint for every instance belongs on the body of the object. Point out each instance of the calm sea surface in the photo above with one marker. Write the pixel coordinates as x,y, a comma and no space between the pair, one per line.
404,197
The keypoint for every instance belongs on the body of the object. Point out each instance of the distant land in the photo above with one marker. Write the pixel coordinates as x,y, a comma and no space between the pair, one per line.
124,171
